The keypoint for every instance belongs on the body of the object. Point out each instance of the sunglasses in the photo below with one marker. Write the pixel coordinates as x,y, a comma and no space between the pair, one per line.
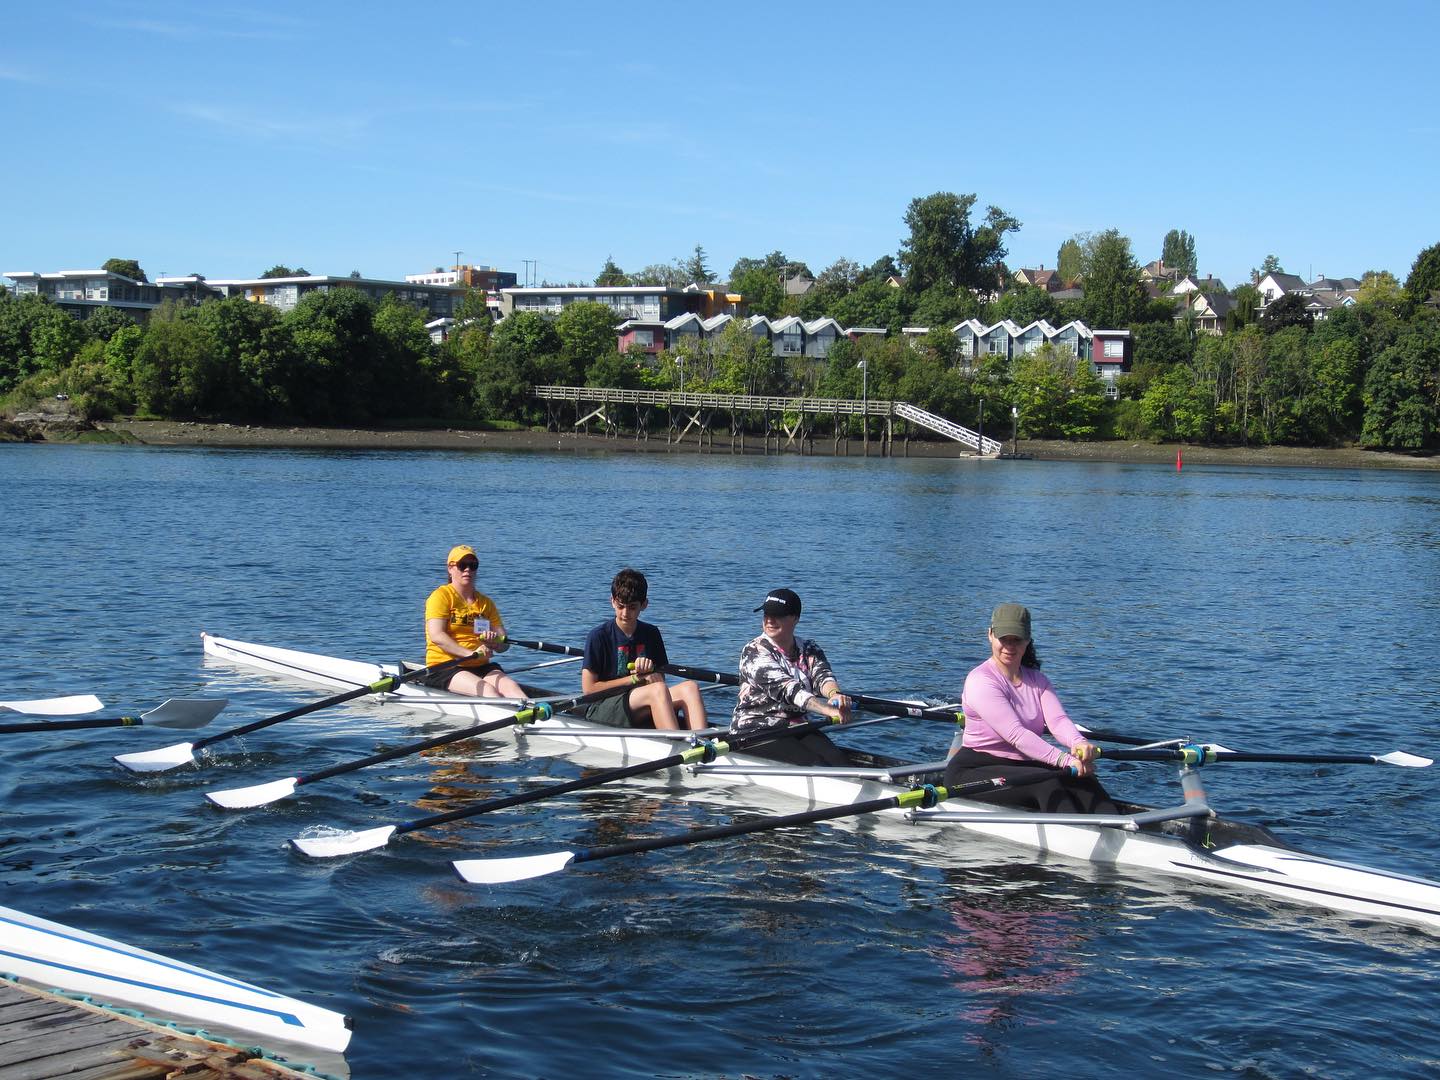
467,567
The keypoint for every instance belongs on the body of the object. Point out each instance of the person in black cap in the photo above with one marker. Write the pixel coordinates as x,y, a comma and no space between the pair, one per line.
782,678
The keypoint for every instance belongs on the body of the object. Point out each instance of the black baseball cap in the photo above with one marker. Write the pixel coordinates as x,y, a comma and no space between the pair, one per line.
780,602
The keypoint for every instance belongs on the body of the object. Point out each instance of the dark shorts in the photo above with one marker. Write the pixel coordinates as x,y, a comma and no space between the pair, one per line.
1036,786
440,680
614,712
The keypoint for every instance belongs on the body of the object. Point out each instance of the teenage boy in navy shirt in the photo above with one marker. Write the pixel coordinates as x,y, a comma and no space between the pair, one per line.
625,650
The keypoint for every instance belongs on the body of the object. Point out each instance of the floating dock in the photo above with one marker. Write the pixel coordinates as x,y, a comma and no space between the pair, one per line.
44,1035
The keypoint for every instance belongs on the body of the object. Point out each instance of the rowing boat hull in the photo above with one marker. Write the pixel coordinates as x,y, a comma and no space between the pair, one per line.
50,955
1244,856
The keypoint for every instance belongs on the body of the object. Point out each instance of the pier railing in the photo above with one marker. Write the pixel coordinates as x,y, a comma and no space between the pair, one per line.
788,420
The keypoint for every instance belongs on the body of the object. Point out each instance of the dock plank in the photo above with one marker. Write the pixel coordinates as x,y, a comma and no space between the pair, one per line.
47,1037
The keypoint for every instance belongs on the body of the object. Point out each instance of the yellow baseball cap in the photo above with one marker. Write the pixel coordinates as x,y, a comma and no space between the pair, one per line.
458,552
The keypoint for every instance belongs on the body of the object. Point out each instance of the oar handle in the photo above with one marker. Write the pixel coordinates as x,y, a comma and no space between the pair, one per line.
545,646
379,686
70,725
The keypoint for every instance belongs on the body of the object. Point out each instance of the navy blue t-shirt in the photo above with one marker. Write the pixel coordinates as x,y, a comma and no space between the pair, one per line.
609,653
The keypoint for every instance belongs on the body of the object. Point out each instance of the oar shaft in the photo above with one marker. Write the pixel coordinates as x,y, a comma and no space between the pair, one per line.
521,716
407,750
1202,755
71,725
379,686
694,753
916,797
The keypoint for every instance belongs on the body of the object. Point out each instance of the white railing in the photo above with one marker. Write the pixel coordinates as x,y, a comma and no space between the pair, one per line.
944,427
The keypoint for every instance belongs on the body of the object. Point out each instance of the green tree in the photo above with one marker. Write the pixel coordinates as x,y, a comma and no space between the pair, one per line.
1246,309
1178,252
175,365
1114,297
1287,311
697,270
129,268
1378,286
35,337
873,303
103,322
337,377
1424,276
1176,406
1271,265
944,247
279,270
587,333
761,289
611,275
1024,305
1070,261
525,351
248,384
1402,394
942,307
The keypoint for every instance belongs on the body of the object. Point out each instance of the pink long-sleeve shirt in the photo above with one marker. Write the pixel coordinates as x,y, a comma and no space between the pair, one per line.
1008,721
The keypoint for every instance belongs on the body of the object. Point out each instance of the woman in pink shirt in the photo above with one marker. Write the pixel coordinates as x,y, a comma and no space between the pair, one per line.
1009,706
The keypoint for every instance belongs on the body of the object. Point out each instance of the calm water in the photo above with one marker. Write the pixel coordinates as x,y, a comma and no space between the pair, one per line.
1261,608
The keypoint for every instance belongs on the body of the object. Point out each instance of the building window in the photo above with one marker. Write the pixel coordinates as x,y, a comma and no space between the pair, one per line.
644,337
1115,348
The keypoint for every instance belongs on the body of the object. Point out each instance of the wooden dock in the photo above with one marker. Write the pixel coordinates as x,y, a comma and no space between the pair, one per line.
43,1036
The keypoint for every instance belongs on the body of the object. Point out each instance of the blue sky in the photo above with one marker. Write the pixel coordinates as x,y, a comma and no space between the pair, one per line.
223,138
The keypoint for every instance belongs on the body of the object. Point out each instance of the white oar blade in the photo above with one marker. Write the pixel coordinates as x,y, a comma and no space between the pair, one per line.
345,843
1220,748
55,706
161,760
241,798
499,871
1404,760
186,713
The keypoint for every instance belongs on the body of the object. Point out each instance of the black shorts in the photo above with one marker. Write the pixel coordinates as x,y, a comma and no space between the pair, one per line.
440,680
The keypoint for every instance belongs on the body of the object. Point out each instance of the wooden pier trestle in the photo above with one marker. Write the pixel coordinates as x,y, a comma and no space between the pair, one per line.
44,1035
783,423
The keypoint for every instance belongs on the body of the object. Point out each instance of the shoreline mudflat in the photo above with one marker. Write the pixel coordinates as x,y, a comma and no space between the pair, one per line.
183,433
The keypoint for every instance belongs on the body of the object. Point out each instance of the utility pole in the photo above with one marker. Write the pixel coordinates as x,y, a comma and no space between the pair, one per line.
980,443
531,267
457,259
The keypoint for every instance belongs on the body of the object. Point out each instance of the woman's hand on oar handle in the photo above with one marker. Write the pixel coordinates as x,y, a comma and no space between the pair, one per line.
1082,759
839,705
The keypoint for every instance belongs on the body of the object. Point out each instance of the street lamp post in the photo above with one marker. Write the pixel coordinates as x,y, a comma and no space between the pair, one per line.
680,363
864,406
1015,431
980,430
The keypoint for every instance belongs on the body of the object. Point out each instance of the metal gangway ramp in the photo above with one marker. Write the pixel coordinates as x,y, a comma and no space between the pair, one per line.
938,424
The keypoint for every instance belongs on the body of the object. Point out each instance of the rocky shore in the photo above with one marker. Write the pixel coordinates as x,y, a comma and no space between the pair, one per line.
196,433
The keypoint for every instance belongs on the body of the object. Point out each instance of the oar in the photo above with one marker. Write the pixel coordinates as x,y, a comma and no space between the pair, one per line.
170,757
55,706
350,843
1201,754
275,790
498,871
950,714
173,713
